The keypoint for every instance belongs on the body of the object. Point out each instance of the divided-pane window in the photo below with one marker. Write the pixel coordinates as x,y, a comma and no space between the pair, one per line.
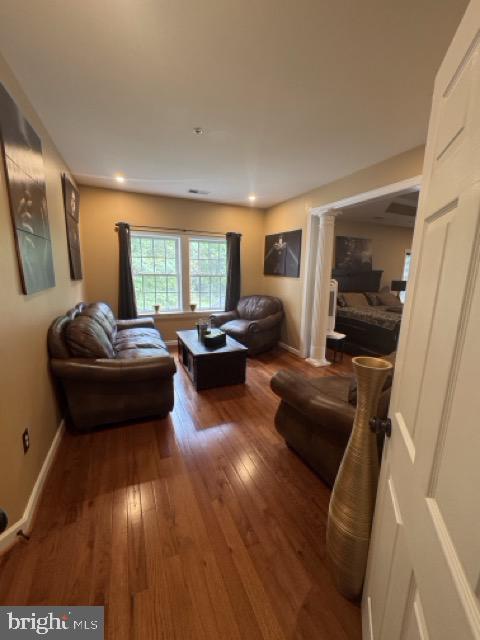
208,272
156,272
406,272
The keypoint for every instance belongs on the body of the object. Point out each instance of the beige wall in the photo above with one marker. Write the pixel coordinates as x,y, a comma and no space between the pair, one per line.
293,214
27,398
102,208
388,245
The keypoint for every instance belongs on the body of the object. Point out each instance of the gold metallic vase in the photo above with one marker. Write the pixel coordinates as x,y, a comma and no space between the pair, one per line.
352,502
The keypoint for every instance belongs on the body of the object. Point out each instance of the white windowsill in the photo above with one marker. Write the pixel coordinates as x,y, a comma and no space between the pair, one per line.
173,315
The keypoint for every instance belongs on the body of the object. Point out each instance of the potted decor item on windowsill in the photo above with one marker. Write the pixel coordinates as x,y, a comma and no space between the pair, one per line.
156,308
193,307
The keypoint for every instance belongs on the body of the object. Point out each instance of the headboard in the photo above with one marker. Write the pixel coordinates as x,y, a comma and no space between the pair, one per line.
358,281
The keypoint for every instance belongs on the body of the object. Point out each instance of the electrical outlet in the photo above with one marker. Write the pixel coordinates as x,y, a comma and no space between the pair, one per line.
26,441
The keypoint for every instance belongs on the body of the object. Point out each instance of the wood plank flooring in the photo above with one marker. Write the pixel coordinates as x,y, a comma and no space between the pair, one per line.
202,526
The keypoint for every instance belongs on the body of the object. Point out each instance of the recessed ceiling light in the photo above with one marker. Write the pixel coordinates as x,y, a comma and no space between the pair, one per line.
119,178
252,197
198,131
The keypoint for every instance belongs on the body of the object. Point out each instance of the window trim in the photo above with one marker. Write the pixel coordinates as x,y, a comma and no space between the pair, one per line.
178,263
196,238
183,264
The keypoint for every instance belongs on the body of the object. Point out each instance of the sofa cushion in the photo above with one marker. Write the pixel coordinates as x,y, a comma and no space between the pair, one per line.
332,386
101,313
139,339
86,338
258,307
132,353
236,328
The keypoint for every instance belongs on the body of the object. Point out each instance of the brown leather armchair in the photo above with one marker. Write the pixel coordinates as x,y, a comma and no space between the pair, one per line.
315,416
256,322
109,370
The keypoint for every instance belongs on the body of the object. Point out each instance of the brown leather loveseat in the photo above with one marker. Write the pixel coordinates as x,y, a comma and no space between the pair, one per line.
315,416
256,322
110,370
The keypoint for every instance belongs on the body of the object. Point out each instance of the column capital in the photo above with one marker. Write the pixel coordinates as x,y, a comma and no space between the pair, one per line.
322,213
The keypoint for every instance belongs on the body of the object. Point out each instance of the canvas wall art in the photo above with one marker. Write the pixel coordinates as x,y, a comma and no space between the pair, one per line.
71,199
282,254
24,171
352,254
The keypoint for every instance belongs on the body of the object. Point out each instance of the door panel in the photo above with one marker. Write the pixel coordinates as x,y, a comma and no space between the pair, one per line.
423,576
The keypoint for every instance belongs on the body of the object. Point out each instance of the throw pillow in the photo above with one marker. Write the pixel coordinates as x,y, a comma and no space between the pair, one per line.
355,300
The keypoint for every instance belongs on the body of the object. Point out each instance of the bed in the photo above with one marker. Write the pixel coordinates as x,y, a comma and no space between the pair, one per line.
369,318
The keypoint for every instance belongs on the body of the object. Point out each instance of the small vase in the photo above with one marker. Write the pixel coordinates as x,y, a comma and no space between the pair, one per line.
193,307
352,502
156,308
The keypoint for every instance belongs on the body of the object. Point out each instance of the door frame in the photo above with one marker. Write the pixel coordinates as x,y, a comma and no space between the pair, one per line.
403,186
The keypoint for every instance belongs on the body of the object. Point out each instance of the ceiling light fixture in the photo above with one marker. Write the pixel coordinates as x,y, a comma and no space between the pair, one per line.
119,178
252,197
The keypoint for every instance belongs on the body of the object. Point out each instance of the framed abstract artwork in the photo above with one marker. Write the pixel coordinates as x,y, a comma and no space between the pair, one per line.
25,176
71,200
352,254
282,254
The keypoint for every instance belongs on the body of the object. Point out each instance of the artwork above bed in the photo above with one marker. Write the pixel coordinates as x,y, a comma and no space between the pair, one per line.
353,254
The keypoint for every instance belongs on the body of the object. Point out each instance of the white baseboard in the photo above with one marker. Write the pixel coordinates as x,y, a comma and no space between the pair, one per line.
287,347
8,537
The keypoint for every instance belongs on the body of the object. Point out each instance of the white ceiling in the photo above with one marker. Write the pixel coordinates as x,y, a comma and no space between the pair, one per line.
291,93
382,210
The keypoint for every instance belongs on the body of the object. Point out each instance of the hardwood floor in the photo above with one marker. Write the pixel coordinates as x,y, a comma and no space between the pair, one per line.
201,526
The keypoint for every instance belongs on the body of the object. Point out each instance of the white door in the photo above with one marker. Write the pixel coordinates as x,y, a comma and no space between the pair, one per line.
423,576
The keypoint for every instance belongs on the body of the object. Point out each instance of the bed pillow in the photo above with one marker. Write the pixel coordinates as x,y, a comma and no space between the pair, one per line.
372,298
355,300
387,299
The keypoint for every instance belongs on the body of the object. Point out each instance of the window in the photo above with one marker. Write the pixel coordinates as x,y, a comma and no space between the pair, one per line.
406,272
156,272
176,271
208,273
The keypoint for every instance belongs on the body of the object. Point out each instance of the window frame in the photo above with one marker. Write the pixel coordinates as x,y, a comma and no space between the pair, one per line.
178,263
183,269
407,260
196,238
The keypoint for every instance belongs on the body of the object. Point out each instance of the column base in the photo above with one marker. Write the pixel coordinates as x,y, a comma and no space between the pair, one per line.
318,362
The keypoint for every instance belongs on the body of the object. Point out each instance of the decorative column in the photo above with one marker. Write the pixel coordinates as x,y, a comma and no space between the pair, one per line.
323,275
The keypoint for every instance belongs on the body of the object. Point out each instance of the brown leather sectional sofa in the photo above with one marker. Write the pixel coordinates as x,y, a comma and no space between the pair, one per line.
256,322
315,416
110,370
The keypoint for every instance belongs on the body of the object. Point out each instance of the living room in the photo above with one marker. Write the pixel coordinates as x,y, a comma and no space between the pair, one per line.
215,168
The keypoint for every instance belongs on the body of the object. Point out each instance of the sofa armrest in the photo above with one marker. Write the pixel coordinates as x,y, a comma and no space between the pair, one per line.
264,324
105,370
217,319
333,415
136,323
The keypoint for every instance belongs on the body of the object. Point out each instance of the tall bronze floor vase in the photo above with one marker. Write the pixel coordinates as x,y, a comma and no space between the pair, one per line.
352,503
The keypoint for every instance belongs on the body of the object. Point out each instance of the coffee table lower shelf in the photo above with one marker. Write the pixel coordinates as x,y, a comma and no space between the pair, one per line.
209,368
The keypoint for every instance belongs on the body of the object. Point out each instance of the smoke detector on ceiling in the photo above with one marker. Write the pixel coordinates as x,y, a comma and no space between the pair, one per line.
199,192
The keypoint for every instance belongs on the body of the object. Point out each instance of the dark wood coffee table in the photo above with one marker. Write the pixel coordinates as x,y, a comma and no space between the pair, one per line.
209,368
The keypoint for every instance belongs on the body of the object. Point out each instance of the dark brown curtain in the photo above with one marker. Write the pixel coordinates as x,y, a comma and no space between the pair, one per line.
127,305
232,295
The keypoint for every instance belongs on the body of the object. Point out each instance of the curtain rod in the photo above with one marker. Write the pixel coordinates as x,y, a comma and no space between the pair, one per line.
151,228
